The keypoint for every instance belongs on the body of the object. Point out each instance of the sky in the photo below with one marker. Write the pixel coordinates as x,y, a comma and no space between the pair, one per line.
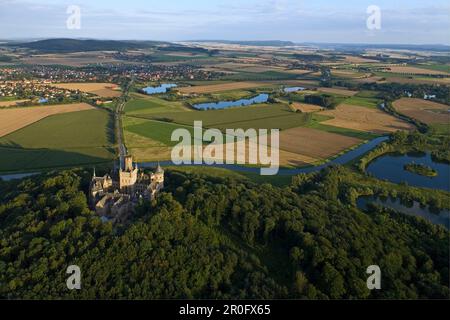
402,21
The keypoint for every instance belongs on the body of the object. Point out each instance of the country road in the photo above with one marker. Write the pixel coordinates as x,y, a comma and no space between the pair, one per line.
122,149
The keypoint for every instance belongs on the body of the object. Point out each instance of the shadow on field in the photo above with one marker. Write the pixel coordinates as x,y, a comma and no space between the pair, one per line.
14,158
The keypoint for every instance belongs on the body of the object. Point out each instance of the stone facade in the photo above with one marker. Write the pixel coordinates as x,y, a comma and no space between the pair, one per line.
114,196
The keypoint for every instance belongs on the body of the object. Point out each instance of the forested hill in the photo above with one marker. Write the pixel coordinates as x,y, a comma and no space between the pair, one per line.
215,238
75,45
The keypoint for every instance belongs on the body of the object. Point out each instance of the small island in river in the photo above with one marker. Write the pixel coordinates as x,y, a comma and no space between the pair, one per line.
421,169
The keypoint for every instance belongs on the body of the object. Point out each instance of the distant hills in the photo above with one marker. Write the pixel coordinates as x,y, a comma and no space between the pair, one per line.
79,45
365,46
262,43
75,45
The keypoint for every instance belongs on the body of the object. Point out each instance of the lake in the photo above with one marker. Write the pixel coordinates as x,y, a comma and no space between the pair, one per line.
163,88
391,167
414,209
261,98
293,89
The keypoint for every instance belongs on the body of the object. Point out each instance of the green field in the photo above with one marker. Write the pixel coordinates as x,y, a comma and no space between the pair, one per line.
76,138
363,102
435,67
142,104
267,75
264,116
157,130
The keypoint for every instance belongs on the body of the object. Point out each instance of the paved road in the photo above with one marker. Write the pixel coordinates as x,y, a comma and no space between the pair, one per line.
122,149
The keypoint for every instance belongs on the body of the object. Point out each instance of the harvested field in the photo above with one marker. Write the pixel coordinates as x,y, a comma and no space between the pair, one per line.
349,74
315,144
415,70
220,87
428,112
343,92
11,103
305,107
17,118
104,90
358,60
364,119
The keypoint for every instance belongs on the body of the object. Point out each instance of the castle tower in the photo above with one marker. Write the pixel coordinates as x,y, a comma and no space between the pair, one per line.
128,176
128,163
159,175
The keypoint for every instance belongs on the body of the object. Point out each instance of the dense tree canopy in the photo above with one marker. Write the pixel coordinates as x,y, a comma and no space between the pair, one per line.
211,237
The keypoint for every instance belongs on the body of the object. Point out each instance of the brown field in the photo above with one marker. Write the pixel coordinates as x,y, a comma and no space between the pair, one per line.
418,80
364,119
415,70
295,71
144,149
104,90
357,60
428,112
220,87
305,107
11,103
349,74
343,92
315,144
13,119
369,79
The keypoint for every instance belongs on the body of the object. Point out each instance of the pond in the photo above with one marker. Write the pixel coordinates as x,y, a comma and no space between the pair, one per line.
261,98
391,167
293,89
414,209
163,88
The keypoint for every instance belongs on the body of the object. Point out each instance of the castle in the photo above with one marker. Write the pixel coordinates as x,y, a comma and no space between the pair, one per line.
114,196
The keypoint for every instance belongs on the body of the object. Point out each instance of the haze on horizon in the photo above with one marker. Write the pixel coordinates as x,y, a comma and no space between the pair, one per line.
402,21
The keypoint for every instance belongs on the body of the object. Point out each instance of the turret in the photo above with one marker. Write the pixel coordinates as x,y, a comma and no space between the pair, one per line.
128,163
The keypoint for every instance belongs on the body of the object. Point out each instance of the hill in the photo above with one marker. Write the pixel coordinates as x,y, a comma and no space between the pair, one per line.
75,45
262,43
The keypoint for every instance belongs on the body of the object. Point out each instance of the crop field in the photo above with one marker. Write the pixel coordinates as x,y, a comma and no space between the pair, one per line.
342,92
416,70
266,116
104,90
305,107
363,101
428,112
150,141
364,119
13,119
315,143
147,105
71,59
358,60
261,76
219,87
438,67
11,103
76,138
349,74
